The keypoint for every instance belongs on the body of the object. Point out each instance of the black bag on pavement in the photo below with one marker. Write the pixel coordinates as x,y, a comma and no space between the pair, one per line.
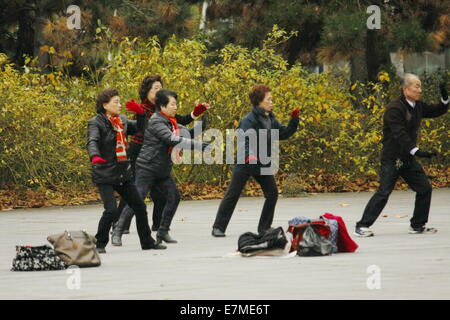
268,240
314,244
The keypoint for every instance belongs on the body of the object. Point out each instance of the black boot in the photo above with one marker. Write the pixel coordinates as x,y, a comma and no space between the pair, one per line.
217,233
164,236
125,231
155,245
101,250
116,239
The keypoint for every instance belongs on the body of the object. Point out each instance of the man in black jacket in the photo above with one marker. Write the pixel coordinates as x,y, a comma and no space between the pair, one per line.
261,118
401,123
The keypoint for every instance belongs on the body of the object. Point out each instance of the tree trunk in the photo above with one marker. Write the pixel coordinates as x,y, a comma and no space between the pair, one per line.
25,34
358,68
376,55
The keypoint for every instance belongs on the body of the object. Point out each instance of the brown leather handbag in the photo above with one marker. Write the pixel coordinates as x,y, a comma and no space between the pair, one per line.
76,248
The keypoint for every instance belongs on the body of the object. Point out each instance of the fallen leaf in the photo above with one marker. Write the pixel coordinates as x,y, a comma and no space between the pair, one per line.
401,216
344,204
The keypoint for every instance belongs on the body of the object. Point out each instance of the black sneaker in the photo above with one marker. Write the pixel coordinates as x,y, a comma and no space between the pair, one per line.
422,230
217,233
363,232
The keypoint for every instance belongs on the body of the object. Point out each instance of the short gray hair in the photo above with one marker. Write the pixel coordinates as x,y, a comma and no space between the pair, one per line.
408,79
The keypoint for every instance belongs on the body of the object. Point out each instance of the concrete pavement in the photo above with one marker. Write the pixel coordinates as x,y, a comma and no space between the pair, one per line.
203,267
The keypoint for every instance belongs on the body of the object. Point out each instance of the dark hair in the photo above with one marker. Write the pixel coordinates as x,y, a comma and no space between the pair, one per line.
162,98
104,97
258,93
147,84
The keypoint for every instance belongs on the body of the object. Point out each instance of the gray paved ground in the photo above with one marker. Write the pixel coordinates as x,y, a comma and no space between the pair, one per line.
203,267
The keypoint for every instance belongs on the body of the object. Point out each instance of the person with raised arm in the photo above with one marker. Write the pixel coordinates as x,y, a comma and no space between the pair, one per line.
401,124
154,164
259,119
107,149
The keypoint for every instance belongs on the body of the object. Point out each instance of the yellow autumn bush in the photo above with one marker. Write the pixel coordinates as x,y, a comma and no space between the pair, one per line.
43,119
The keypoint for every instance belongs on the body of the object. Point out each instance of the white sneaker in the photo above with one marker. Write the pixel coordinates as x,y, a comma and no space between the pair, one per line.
363,232
422,230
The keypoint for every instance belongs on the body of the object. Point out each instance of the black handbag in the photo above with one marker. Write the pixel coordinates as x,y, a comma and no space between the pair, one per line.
268,240
39,258
313,244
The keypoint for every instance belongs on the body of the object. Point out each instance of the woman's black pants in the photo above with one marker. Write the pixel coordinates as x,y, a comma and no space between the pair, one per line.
130,194
237,184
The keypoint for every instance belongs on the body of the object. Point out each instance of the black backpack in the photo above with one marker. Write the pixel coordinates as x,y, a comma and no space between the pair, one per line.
267,240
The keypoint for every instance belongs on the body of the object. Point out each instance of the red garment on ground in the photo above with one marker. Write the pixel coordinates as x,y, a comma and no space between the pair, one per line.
344,243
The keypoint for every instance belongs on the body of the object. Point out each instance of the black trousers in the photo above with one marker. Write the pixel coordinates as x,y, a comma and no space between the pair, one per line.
413,174
238,180
145,181
159,202
111,214
158,196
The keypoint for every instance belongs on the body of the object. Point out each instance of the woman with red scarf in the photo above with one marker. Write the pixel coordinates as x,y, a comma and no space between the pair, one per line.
154,163
147,92
107,148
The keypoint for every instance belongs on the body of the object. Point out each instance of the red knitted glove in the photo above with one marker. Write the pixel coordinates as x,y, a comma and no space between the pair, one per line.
134,107
250,158
97,160
199,110
295,113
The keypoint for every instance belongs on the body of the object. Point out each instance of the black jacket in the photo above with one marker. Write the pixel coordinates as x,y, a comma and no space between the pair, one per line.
257,119
102,140
401,124
138,140
158,137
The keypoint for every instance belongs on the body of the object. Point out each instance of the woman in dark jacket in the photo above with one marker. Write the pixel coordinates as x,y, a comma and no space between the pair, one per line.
154,163
107,148
260,118
147,92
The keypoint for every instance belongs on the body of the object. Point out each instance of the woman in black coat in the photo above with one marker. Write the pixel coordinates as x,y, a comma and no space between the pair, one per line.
154,163
107,149
258,120
147,92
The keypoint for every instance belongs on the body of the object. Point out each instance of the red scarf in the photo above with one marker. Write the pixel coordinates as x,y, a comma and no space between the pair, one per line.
121,146
149,110
176,131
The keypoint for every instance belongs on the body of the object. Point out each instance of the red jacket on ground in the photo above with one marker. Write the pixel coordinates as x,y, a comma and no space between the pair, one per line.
344,243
